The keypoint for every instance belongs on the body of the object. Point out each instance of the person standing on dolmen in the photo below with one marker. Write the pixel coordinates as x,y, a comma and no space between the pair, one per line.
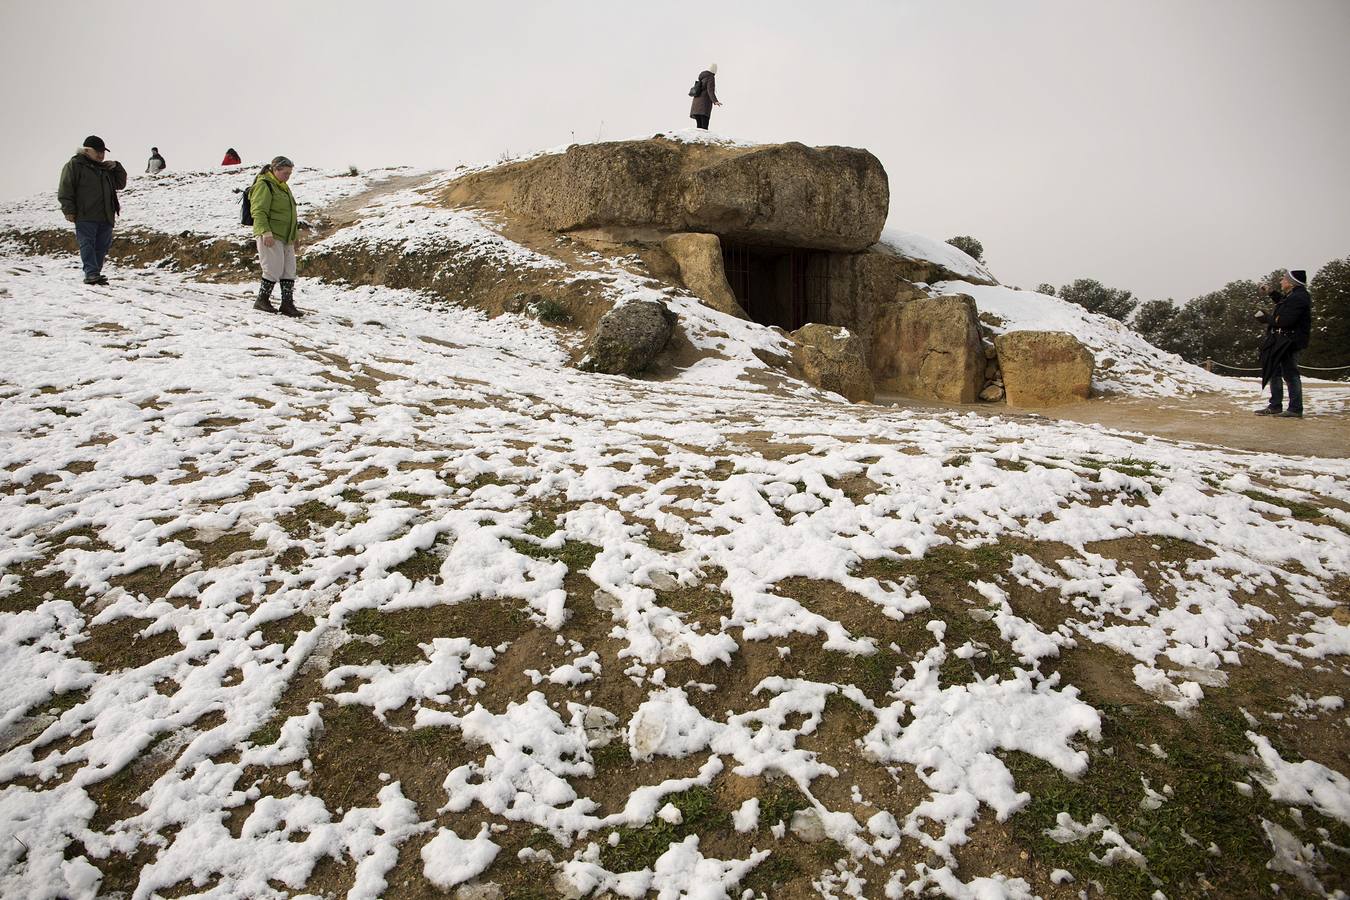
705,97
88,197
1288,327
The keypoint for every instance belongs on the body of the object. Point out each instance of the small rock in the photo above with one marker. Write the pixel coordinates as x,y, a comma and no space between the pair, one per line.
487,890
808,826
992,393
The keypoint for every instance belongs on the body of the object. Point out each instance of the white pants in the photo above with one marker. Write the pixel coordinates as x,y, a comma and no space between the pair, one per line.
278,260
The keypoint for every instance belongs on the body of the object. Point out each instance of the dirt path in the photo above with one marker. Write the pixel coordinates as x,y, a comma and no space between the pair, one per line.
345,211
1213,419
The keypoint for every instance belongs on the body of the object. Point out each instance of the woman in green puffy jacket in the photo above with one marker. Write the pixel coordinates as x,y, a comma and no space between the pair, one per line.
276,226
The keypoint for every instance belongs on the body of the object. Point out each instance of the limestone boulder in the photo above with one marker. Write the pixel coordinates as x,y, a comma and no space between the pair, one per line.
929,349
860,285
628,338
699,257
824,198
828,198
832,359
1043,368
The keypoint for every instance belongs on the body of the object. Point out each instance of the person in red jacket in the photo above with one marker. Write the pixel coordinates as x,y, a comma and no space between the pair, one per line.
231,158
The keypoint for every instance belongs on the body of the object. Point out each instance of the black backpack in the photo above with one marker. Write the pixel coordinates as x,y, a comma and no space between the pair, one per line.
246,206
697,89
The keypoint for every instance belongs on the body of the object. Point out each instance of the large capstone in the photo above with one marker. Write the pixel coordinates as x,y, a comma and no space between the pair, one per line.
788,195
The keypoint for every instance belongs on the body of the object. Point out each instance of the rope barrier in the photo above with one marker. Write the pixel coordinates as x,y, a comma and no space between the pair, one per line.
1219,365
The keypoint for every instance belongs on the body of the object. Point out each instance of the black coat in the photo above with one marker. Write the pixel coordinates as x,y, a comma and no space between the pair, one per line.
1291,315
703,103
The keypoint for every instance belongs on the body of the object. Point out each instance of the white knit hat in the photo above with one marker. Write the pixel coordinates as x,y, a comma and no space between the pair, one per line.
713,68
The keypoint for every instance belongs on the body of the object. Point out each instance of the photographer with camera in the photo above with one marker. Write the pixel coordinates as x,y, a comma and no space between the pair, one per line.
1288,326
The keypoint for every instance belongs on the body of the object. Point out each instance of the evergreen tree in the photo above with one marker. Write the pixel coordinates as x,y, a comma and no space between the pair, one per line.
1045,288
1329,346
1222,326
1094,296
1156,323
969,246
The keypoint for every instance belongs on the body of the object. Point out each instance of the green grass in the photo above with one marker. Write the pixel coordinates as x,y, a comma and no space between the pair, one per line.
549,311
408,497
432,736
770,874
266,734
1129,465
1202,764
951,564
1298,510
611,756
307,515
397,645
576,555
779,801
640,848
64,701
421,565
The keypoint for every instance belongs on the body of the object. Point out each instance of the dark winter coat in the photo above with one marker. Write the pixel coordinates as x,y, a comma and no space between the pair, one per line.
703,103
1292,315
88,190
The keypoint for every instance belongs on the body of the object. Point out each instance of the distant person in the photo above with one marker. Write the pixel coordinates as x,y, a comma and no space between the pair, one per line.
276,225
156,163
1288,326
88,197
704,93
231,158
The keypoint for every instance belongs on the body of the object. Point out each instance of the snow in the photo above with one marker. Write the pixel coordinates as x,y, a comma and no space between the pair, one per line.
400,428
201,202
917,246
448,859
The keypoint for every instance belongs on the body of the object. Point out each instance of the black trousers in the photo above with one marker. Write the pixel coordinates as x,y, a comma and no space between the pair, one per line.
1288,374
701,122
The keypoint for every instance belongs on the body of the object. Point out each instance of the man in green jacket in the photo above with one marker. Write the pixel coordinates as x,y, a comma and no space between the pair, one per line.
88,197
276,227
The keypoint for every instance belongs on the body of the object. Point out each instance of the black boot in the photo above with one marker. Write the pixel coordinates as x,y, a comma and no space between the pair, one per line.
265,296
288,299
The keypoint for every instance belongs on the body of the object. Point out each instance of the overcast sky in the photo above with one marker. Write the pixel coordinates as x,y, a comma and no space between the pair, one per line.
1164,146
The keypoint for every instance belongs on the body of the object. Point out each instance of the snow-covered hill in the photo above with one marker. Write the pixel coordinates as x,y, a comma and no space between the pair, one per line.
389,599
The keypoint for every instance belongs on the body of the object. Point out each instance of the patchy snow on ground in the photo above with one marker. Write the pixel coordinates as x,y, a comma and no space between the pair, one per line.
581,606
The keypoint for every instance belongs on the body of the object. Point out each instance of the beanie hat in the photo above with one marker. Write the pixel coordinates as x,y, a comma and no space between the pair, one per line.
1298,276
713,68
282,162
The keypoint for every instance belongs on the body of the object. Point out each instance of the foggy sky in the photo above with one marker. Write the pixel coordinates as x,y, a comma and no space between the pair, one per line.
1164,146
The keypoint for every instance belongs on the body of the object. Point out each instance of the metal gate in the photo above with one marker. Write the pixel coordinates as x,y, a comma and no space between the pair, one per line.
781,286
